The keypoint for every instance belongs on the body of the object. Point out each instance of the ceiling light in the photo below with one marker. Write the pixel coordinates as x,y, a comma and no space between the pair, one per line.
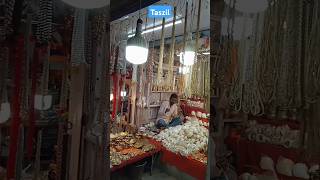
123,93
157,28
137,49
189,52
42,102
206,53
86,4
184,70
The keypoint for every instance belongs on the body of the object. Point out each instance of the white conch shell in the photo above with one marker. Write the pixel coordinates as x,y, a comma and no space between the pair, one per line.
5,112
253,177
42,102
204,115
267,163
284,166
199,114
300,170
314,168
245,176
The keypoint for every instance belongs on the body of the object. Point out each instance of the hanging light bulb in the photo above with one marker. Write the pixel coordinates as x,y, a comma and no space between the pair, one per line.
86,4
5,112
42,102
137,49
249,6
184,70
189,52
123,93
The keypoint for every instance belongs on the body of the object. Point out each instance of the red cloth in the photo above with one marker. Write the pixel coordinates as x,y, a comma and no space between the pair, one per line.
115,90
190,166
18,57
188,109
249,153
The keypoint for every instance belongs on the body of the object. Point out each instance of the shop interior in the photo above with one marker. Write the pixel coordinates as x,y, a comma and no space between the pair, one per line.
141,84
82,85
223,89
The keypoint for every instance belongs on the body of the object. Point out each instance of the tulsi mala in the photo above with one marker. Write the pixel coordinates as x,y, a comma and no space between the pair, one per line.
288,94
270,53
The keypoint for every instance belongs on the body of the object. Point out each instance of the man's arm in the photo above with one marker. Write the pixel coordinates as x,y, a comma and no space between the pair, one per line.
173,111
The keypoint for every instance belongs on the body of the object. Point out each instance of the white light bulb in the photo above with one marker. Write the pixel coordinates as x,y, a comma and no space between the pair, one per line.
111,97
42,102
123,93
86,4
5,112
136,54
184,70
189,58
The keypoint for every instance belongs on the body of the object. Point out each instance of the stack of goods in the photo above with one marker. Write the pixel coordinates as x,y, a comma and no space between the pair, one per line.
161,88
284,167
124,146
202,123
195,103
265,133
189,139
149,130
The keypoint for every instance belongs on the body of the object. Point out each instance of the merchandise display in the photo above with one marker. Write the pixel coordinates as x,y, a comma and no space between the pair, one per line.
125,146
266,133
187,139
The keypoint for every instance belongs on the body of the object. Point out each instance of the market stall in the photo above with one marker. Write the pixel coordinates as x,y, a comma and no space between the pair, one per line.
174,60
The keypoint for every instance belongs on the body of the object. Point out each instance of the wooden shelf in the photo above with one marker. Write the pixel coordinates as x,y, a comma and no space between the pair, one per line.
154,106
163,92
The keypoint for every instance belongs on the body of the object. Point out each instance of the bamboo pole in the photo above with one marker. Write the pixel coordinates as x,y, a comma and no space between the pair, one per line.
196,66
160,71
133,95
198,26
75,116
185,27
38,155
183,77
20,154
171,62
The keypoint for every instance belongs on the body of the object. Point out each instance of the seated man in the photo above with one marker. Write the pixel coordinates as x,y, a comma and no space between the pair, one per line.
169,114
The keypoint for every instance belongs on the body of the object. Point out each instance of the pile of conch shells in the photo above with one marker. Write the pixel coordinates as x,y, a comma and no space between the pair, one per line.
206,124
265,133
200,114
185,139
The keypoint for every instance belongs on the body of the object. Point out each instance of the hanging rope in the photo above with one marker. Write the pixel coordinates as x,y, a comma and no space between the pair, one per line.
172,50
160,70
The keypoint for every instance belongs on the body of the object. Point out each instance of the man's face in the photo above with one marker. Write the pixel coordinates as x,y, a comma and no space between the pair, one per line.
173,101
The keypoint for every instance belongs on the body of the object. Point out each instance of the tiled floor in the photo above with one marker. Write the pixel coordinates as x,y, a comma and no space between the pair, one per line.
157,175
